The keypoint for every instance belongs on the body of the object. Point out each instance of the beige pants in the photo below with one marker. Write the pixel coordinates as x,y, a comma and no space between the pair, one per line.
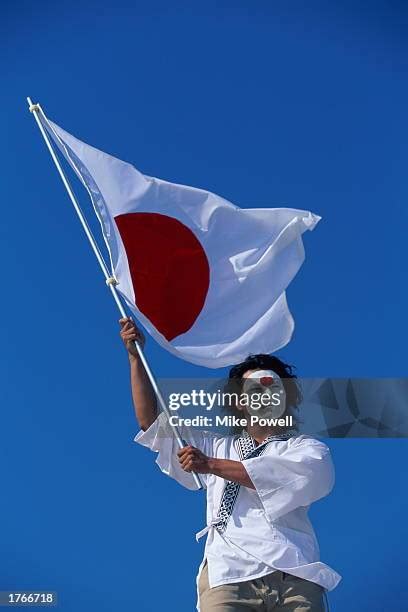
277,591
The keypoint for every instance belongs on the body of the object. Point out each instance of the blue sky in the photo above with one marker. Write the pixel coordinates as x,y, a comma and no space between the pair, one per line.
267,104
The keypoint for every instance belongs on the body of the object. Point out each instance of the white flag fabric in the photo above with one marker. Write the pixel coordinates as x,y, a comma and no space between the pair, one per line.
206,278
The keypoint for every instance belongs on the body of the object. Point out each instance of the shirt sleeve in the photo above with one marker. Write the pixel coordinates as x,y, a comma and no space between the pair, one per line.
287,477
159,438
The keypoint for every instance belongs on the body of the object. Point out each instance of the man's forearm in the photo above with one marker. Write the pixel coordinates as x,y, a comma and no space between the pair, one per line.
144,399
230,470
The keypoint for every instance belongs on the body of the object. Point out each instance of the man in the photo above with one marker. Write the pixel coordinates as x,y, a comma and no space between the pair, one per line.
261,552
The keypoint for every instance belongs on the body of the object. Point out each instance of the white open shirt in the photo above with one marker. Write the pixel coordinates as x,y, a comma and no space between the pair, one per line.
268,528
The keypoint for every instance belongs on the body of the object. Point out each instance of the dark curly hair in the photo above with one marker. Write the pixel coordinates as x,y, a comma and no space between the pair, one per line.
268,362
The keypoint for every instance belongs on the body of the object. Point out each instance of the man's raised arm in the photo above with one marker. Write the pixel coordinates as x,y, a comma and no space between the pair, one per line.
144,399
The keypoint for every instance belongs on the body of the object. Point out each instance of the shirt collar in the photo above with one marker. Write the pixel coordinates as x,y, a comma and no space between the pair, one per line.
248,438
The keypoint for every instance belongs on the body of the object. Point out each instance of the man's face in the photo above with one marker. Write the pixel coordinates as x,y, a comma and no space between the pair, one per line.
263,394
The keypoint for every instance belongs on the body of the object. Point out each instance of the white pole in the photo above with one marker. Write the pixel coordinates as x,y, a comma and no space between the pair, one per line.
110,281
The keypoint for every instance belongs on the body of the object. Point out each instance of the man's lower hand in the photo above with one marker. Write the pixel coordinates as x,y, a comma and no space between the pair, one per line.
193,460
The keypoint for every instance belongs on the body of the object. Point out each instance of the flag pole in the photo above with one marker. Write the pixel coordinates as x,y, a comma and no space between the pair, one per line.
110,280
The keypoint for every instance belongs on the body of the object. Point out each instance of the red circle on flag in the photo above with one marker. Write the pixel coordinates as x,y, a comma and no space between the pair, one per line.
169,270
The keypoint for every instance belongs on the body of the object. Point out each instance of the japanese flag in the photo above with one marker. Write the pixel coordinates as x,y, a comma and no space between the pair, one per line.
206,278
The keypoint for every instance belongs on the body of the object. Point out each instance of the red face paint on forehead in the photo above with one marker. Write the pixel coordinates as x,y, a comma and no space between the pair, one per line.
266,381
